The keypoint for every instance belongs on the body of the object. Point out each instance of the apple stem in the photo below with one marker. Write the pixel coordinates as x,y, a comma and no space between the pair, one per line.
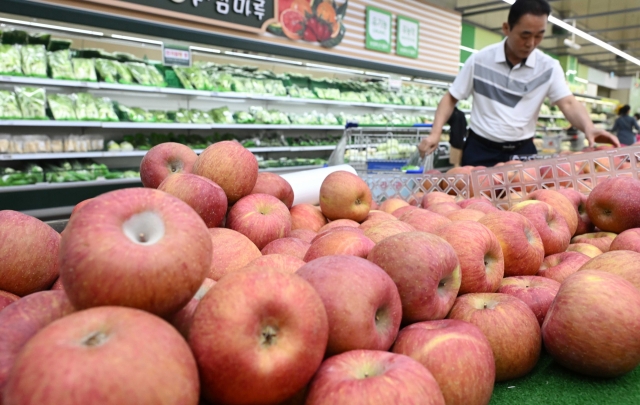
269,335
142,238
95,339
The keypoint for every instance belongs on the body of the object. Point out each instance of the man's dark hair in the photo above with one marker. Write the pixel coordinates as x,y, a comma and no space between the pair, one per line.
522,7
636,116
624,110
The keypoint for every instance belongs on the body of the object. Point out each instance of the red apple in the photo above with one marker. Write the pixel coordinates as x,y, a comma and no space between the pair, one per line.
183,318
374,218
579,202
560,203
163,160
81,204
336,229
623,263
256,346
231,252
283,263
401,211
110,355
388,228
444,208
229,165
287,246
473,200
436,197
551,226
364,377
306,235
480,255
362,302
601,240
28,252
425,220
393,204
306,216
457,354
343,195
339,223
427,286
7,298
135,247
465,215
603,340
340,242
586,249
561,265
510,326
260,217
21,320
57,285
485,207
627,240
275,185
520,242
537,292
614,204
204,196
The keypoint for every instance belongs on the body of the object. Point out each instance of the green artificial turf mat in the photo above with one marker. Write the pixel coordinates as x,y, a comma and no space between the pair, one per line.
551,384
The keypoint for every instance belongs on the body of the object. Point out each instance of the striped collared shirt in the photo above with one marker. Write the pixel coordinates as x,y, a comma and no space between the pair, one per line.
506,101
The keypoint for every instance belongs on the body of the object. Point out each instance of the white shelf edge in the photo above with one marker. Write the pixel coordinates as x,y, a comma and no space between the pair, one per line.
291,168
75,184
50,123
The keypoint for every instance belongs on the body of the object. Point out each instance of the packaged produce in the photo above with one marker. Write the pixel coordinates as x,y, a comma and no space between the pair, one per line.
182,75
15,37
57,144
106,112
39,38
155,77
124,75
160,116
113,146
34,60
86,108
199,79
32,103
243,117
240,85
84,70
224,82
222,115
139,72
62,107
56,45
181,116
36,144
200,117
107,71
5,143
9,107
60,65
10,61
147,116
11,177
261,115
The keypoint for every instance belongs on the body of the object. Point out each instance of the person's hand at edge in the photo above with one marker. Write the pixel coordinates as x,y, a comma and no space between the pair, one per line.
601,136
428,144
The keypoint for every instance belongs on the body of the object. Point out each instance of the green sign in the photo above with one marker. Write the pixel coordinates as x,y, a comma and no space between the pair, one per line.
378,35
408,37
175,55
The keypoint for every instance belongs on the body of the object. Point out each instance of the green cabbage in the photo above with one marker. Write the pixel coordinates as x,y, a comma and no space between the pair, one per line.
32,103
9,108
84,70
10,61
62,107
60,65
34,60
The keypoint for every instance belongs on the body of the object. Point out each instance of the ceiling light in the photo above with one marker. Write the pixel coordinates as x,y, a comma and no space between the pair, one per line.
136,39
266,58
375,74
207,50
52,27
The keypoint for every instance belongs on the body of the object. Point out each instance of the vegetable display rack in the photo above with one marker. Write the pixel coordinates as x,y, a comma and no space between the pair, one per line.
412,187
507,185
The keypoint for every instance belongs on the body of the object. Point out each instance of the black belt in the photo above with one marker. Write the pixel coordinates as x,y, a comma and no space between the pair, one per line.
505,146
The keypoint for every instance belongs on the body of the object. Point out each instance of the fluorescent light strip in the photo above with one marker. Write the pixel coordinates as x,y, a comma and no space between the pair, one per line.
466,48
338,69
53,27
433,82
246,55
375,74
406,78
581,80
207,50
136,39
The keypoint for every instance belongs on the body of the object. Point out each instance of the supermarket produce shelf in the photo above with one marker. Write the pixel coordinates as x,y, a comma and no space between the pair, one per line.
75,184
50,123
290,168
154,125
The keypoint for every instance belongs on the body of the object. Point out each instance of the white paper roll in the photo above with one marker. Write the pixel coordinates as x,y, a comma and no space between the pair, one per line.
306,184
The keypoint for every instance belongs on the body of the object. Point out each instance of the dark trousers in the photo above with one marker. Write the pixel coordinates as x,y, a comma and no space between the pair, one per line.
480,151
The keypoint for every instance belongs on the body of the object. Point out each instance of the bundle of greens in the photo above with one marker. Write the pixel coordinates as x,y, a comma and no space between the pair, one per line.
9,108
107,71
161,116
124,75
62,107
129,114
34,60
222,115
243,117
32,102
84,70
106,112
182,75
200,117
155,77
60,65
140,73
10,61
86,108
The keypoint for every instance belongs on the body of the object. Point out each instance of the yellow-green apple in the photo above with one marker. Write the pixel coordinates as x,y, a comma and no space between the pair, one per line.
343,195
510,326
141,356
21,320
260,217
444,208
551,226
457,354
336,229
401,211
7,298
424,220
561,265
271,183
229,165
520,242
427,287
287,246
306,216
204,196
306,235
163,160
57,285
183,318
613,206
362,302
623,263
135,247
231,251
374,218
28,252
601,240
392,204
579,202
340,242
479,253
273,329
388,228
363,377
283,263
586,249
465,215
537,292
485,207
560,203
627,240
339,223
603,340
436,197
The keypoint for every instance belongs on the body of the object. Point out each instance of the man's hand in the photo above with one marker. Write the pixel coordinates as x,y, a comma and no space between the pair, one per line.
602,136
428,144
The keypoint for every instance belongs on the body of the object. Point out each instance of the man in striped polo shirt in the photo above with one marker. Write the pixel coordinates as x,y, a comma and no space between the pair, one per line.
509,82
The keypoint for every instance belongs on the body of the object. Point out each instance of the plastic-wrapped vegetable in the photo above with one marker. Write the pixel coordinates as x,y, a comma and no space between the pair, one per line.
124,75
106,112
15,37
199,79
156,78
9,108
183,76
84,70
107,70
240,85
222,116
243,117
34,60
86,108
261,115
224,82
32,103
148,117
130,114
62,107
161,116
181,116
40,38
60,65
10,61
200,117
139,72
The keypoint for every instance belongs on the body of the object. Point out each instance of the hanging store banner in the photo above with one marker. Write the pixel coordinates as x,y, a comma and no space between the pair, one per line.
408,37
378,31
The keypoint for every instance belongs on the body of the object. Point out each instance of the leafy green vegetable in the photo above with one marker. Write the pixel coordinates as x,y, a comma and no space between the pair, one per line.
161,116
199,79
40,38
243,117
59,45
86,108
182,75
62,107
32,103
106,112
15,37
139,72
34,60
107,70
200,117
9,108
84,70
60,65
10,61
222,115
156,78
124,75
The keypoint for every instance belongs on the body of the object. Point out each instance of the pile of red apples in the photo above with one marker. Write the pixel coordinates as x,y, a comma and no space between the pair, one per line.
208,287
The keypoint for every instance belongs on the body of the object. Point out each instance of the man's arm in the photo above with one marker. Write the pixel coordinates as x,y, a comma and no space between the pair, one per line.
443,113
577,115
